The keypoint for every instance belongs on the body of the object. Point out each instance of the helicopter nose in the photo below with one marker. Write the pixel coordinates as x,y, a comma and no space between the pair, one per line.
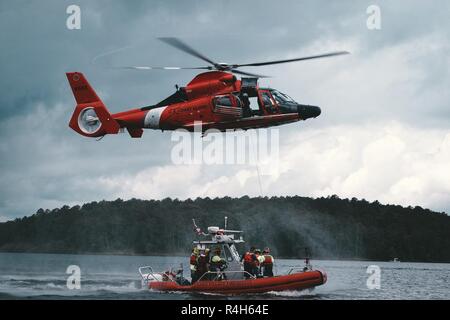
306,111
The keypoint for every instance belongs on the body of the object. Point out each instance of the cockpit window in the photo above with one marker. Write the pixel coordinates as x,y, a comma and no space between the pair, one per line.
228,105
228,255
266,99
224,101
281,97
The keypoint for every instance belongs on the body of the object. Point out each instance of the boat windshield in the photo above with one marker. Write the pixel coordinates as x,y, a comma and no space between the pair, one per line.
281,97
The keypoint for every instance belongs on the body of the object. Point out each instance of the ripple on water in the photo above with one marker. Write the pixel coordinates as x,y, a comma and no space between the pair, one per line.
115,277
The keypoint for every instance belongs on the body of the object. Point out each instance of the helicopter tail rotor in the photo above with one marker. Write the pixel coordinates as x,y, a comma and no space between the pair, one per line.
90,118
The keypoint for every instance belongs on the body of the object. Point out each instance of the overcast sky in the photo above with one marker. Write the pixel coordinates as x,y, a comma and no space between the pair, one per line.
383,133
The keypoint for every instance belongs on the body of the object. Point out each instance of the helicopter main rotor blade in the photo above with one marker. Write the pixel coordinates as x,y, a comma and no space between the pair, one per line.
257,64
248,73
165,68
177,43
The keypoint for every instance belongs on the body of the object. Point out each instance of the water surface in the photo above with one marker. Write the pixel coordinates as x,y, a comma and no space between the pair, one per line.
43,276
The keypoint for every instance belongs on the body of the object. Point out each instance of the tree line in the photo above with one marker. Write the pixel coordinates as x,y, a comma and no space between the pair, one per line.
331,228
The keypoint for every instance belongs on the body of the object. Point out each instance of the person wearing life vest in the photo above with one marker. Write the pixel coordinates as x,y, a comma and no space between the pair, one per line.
217,263
267,264
202,265
257,264
193,264
248,258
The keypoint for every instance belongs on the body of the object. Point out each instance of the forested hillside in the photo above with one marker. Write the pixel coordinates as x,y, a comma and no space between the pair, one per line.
332,228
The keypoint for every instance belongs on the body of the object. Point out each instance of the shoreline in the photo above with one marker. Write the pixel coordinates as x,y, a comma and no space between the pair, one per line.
179,255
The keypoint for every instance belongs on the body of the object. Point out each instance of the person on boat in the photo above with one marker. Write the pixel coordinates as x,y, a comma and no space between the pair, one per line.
307,266
202,265
267,264
258,263
193,264
249,259
217,263
169,275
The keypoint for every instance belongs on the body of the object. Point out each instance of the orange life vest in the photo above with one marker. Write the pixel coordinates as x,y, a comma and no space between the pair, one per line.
248,257
268,259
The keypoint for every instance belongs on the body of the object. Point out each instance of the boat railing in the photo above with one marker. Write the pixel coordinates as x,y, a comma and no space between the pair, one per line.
146,276
220,273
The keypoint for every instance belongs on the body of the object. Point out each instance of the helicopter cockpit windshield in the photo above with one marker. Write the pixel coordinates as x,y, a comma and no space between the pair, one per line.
281,98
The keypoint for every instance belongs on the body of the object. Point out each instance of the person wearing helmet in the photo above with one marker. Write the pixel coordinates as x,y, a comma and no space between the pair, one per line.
258,262
217,263
267,264
193,264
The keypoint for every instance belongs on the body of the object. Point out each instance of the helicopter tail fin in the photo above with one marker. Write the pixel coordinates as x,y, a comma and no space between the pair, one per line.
81,88
91,118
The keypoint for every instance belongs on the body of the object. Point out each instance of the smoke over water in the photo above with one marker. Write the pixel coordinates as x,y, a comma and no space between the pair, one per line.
291,232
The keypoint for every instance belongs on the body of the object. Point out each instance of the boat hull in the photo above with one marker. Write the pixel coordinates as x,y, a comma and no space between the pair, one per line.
295,281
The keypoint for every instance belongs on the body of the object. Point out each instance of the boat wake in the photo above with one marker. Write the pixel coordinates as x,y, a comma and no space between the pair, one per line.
52,287
292,294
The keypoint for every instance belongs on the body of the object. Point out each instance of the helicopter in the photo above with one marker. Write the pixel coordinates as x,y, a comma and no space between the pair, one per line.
214,99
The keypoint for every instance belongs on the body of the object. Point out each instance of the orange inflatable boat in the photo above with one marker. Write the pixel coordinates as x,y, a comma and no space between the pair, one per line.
226,272
293,281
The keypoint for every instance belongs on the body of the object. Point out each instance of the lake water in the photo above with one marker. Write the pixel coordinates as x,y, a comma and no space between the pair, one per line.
43,276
